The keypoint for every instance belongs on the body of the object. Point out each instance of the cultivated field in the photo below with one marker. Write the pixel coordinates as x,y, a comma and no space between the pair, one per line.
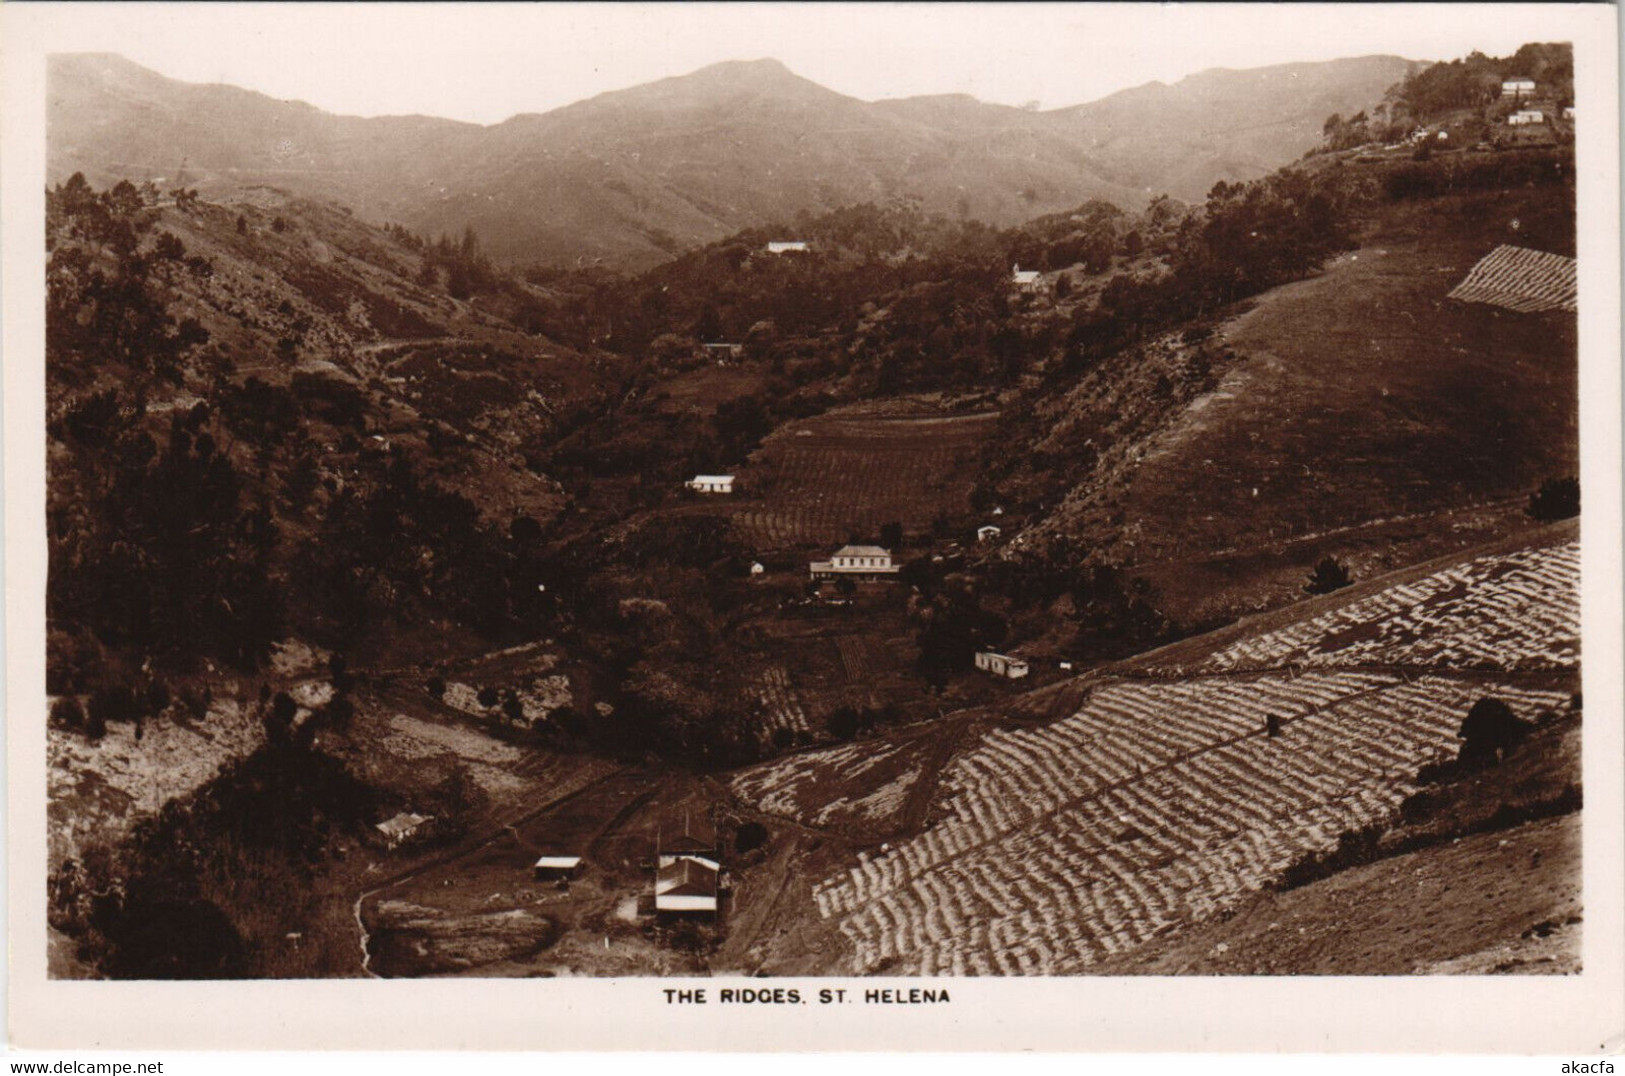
826,479
1159,799
1522,280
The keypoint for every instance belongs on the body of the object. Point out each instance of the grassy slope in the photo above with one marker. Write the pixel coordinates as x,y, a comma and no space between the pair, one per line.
1358,396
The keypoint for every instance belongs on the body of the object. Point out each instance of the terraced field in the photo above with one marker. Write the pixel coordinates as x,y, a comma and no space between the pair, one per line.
847,473
1160,799
780,705
1516,610
1520,279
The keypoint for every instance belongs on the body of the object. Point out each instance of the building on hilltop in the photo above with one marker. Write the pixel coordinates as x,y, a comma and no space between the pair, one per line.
1518,88
788,246
711,483
855,562
1011,668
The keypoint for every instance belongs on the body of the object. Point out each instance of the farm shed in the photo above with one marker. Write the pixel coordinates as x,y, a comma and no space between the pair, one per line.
550,868
711,483
1517,87
1012,668
722,352
403,828
855,561
787,246
987,533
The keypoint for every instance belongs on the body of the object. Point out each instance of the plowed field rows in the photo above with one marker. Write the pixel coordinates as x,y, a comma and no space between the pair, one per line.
1513,611
781,707
1158,803
1520,279
827,479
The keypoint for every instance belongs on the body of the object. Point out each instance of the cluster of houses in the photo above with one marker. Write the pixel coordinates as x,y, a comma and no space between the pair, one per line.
1520,90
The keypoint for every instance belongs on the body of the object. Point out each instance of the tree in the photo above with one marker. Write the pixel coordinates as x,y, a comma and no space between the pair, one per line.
488,697
1490,731
749,837
844,723
1328,576
891,536
1557,498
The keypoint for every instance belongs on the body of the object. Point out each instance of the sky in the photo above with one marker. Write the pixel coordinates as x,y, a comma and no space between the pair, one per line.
485,62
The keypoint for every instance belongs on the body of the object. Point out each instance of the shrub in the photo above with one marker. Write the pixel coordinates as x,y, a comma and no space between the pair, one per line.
1557,498
844,723
489,697
116,703
66,713
436,687
1328,576
750,836
1490,730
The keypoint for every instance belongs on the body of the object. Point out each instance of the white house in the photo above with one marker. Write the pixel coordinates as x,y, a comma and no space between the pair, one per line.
1518,87
861,561
789,246
1526,116
987,533
711,483
1568,112
756,567
1024,279
1001,664
403,828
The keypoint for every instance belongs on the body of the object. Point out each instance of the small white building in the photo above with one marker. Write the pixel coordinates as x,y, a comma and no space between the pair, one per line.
549,868
787,246
1024,279
860,561
1001,664
1518,87
1568,112
724,351
1526,116
756,567
711,483
403,828
987,533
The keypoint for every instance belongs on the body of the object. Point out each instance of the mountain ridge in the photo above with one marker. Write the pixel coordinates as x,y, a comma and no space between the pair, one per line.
631,176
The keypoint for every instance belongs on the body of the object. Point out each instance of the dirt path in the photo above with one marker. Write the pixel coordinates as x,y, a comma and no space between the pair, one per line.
462,851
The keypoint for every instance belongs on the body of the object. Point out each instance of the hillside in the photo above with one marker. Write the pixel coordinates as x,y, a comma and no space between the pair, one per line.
1345,414
1160,794
634,176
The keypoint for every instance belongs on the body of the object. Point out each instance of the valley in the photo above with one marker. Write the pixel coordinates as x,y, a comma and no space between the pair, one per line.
601,592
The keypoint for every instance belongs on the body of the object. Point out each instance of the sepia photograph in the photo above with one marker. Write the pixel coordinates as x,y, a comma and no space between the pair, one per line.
816,504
